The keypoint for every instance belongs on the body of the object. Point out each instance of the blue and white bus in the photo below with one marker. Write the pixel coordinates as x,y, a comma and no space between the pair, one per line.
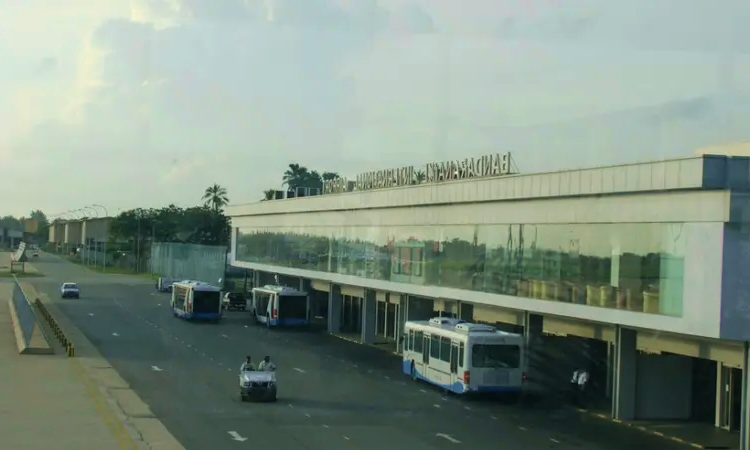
196,300
281,306
464,357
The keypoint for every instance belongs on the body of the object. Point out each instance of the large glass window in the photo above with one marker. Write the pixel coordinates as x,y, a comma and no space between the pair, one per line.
638,267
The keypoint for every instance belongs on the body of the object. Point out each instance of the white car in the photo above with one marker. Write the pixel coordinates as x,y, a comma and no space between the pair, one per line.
70,290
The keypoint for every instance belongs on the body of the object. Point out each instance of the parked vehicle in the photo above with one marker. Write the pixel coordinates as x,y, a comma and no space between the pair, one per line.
234,300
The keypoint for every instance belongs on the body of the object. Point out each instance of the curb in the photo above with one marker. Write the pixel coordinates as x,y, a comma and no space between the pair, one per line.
640,428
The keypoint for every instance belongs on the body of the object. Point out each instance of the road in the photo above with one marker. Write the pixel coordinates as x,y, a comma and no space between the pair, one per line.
332,393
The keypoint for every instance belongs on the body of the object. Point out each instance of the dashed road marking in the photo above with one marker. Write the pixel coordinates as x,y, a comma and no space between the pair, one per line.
467,408
523,429
298,369
493,417
436,405
423,391
345,437
307,415
290,405
325,426
554,440
448,438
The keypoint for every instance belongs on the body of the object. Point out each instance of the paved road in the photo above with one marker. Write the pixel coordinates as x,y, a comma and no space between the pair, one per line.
333,394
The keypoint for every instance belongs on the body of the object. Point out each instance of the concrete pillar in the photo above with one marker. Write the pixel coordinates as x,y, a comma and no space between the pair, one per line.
745,416
306,286
334,309
624,388
610,369
369,313
533,330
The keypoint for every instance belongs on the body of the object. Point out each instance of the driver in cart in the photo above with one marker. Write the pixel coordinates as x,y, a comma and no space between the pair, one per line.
247,365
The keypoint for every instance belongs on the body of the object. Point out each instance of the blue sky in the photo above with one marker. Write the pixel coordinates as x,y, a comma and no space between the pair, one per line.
148,102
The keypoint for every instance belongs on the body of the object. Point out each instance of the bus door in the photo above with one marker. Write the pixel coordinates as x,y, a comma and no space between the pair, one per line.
426,351
454,362
189,301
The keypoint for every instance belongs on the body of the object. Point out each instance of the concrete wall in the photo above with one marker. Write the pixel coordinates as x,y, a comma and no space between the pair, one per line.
73,233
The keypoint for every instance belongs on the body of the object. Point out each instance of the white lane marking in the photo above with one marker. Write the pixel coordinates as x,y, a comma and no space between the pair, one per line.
522,428
158,304
115,334
423,391
343,361
467,408
225,336
346,438
229,370
355,366
221,364
436,405
554,440
298,369
448,437
493,417
290,405
236,436
325,426
369,370
91,314
156,368
307,415
387,377
245,326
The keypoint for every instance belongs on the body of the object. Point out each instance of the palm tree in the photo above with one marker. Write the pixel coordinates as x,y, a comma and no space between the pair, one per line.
295,176
215,197
420,176
268,194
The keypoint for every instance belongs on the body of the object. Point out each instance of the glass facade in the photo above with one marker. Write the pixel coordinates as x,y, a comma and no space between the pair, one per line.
637,267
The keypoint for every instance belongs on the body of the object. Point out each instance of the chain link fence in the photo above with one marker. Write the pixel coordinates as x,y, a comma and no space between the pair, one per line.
205,263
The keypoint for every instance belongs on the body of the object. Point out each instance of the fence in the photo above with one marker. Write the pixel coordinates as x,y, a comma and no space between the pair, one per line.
189,261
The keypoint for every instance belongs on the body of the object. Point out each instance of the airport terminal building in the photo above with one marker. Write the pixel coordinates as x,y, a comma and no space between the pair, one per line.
640,268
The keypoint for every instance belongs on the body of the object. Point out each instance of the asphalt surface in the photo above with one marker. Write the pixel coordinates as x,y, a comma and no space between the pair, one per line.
332,393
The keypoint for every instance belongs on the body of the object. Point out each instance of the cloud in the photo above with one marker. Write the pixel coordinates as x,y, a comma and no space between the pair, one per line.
44,66
188,89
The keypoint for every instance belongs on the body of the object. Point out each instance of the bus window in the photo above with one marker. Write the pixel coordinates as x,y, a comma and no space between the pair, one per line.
418,341
410,341
435,347
445,349
292,307
496,356
460,354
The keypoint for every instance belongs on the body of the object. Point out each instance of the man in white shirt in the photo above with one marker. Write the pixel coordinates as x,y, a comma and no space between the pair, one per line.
247,365
578,384
266,365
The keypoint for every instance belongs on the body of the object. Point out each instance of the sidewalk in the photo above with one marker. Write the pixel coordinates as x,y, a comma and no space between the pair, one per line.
44,403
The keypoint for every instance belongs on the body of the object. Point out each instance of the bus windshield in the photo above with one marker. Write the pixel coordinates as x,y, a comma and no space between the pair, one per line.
206,301
496,356
292,307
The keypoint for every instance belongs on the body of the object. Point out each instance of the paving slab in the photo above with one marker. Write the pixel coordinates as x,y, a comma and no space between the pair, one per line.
43,403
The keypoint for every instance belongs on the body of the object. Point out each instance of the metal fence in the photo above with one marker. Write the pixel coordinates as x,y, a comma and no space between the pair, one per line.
189,261
26,316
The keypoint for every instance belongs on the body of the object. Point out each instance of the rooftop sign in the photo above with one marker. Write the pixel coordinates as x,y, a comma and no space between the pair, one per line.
497,164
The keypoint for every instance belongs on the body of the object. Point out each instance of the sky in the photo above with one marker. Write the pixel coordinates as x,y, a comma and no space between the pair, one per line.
146,103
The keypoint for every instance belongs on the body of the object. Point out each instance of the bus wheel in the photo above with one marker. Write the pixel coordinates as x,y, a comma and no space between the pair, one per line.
413,372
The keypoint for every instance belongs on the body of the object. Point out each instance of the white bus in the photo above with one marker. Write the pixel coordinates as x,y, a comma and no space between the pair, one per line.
464,357
196,300
281,306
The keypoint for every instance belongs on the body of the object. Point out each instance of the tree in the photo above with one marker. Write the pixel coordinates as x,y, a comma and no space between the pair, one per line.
299,176
11,223
295,176
198,225
215,197
268,194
